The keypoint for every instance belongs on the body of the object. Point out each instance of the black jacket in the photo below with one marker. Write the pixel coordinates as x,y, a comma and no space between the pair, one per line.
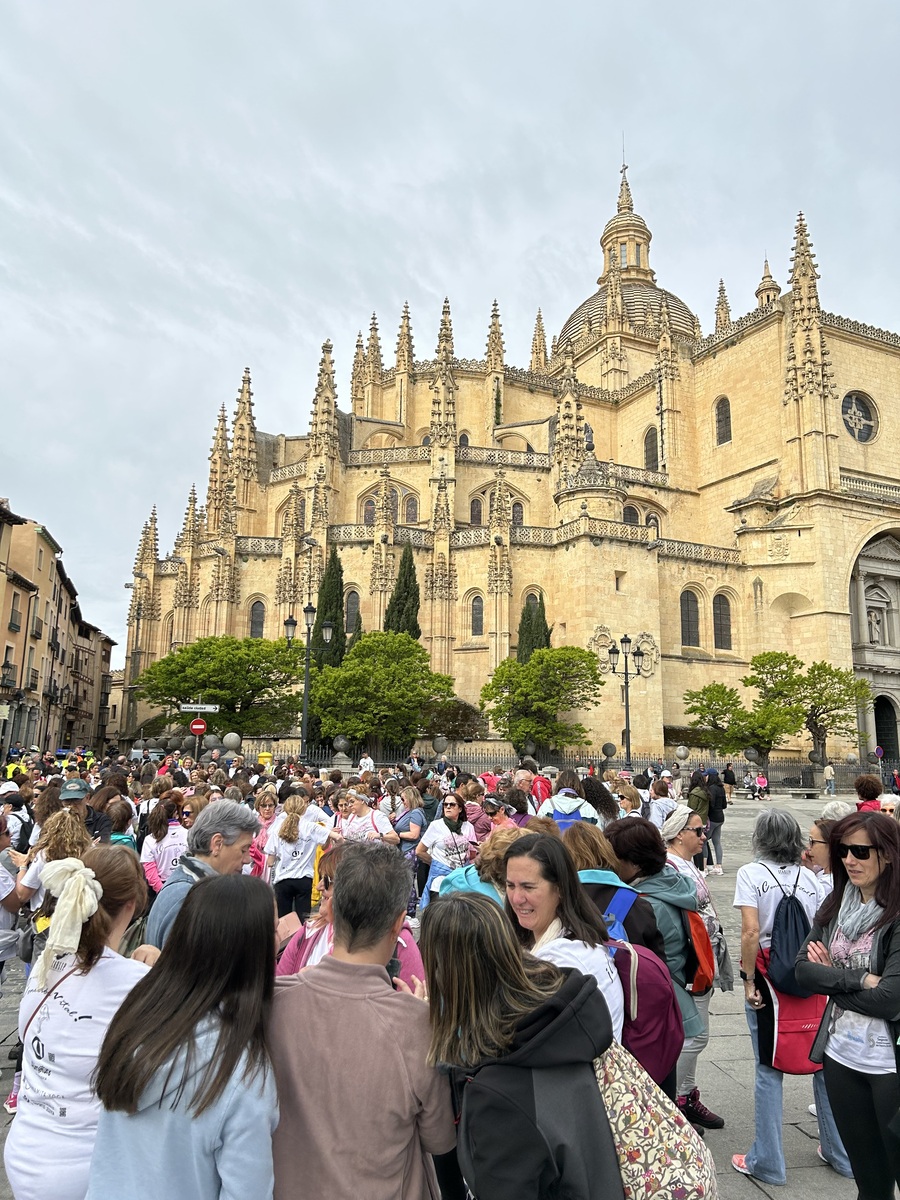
640,920
98,824
533,1124
717,800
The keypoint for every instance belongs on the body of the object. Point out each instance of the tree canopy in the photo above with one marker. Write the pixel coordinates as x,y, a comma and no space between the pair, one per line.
330,607
534,632
251,679
525,700
402,612
380,691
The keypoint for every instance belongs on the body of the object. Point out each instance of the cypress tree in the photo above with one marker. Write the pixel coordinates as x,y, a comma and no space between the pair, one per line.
525,647
330,607
540,630
356,633
402,613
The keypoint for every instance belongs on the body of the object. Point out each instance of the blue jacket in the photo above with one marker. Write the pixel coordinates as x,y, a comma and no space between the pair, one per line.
164,1149
466,879
171,897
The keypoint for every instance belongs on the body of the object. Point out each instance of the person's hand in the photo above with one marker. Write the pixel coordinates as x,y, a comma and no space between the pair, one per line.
817,952
752,994
871,981
18,859
373,836
146,954
418,990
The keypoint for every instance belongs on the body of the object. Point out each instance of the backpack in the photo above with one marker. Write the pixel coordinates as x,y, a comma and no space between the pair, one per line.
645,809
790,929
617,910
25,831
653,1030
564,820
700,960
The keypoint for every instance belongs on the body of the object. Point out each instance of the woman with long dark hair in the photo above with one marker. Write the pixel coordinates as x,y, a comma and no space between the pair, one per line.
191,1097
852,956
165,843
553,917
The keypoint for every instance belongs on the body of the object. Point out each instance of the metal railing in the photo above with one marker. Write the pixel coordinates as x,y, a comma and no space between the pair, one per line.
15,620
37,628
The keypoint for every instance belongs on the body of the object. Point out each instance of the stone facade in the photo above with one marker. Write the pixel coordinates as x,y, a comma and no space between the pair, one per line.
709,496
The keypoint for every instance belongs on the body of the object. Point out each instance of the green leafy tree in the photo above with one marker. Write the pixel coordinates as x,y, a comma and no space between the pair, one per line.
330,607
830,696
525,700
454,718
729,727
380,691
402,613
251,679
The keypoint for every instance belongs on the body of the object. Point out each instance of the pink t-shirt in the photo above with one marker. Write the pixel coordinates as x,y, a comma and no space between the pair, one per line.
166,854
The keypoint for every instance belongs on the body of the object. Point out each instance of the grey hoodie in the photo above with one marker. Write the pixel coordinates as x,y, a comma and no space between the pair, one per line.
164,1149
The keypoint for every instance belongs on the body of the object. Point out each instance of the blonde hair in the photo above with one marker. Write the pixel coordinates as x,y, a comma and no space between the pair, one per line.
631,794
294,808
590,848
491,861
64,835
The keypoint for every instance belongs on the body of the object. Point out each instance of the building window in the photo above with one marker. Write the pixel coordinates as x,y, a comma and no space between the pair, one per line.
721,622
257,619
113,711
518,513
623,254
40,558
690,619
475,512
463,440
630,515
351,610
723,420
477,617
411,510
651,450
426,440
637,255
531,600
860,419
369,512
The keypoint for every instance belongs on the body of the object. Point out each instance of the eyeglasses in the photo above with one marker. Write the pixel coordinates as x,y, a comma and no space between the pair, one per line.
859,852
817,842
262,806
451,804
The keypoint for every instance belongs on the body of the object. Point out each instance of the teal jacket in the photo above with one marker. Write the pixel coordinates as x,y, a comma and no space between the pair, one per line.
668,892
466,879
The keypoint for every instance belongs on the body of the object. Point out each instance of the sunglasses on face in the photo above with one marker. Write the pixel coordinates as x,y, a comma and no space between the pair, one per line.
859,852
698,829
325,884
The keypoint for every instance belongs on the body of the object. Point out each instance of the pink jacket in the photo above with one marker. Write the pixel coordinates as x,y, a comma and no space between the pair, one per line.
299,949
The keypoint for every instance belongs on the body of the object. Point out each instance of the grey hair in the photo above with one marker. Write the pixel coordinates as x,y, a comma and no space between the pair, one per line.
777,836
835,810
371,888
234,793
225,817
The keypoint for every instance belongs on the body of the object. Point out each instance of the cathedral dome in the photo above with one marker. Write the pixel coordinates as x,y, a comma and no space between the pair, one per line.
639,296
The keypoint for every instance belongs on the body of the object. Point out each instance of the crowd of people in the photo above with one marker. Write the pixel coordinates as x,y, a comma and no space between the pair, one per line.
234,963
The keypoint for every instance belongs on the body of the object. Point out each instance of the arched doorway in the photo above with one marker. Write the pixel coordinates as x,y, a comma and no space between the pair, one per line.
886,728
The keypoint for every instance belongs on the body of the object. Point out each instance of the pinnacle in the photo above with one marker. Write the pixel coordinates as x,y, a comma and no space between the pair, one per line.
625,203
723,309
405,353
445,334
539,345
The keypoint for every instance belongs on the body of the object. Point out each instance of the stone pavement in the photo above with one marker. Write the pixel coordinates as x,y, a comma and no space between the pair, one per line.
726,1067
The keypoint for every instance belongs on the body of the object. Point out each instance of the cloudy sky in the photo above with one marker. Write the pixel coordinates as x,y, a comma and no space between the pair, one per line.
189,188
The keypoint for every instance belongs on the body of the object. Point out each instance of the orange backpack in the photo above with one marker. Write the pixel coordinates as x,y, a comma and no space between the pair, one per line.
700,960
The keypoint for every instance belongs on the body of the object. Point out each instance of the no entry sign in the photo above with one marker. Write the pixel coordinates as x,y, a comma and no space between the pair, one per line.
198,726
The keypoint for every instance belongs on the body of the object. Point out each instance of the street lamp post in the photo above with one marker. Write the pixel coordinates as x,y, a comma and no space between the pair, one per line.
637,658
290,629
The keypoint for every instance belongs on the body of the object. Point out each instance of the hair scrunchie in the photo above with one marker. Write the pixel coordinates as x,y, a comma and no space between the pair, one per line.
78,898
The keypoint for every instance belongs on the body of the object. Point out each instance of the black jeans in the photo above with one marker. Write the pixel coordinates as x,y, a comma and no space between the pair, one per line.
294,895
863,1106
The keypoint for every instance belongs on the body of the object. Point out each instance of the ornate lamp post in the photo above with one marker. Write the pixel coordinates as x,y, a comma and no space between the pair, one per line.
637,658
290,629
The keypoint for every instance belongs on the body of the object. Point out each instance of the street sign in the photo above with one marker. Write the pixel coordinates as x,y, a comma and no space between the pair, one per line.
198,726
198,708
879,752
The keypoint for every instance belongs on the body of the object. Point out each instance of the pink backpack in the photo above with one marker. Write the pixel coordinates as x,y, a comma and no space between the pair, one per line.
653,1030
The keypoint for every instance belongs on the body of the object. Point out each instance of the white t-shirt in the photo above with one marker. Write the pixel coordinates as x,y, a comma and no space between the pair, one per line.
166,853
296,860
7,919
366,763
48,1150
447,848
755,888
357,829
32,879
859,1042
590,960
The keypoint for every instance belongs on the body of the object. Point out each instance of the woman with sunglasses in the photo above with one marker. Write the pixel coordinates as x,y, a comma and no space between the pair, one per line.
816,855
447,843
776,871
852,956
266,806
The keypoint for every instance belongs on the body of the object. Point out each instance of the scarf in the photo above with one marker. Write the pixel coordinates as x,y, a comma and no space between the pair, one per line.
553,931
856,918
455,826
78,896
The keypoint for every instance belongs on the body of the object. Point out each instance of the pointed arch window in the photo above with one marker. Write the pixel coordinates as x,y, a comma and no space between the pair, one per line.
630,515
531,600
518,513
477,617
721,622
394,500
723,420
411,510
257,619
690,619
426,440
476,512
369,512
463,440
651,450
351,610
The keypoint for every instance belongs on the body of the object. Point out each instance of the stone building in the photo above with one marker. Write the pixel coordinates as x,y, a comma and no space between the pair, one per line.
711,496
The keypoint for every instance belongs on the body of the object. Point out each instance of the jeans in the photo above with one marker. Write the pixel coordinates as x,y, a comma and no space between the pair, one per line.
686,1067
829,787
765,1158
714,843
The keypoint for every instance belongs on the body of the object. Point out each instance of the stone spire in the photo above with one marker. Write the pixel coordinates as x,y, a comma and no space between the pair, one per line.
243,435
805,293
666,358
295,518
538,362
568,443
190,526
501,505
615,305
768,290
494,352
441,520
148,546
219,471
357,377
374,361
405,352
323,428
723,310
445,334
625,203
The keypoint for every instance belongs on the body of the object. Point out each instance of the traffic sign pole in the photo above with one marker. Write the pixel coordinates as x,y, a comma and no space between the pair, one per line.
198,728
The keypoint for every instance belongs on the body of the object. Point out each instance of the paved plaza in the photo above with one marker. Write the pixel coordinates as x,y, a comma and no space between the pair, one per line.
726,1067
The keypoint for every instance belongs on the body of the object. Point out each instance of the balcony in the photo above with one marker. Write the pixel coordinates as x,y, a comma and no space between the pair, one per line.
34,680
53,643
51,691
15,620
8,675
37,628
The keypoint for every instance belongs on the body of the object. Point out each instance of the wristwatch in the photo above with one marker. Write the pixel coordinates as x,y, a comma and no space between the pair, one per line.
745,977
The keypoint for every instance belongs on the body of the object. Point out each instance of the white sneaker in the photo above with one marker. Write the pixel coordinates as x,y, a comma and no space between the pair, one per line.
718,870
